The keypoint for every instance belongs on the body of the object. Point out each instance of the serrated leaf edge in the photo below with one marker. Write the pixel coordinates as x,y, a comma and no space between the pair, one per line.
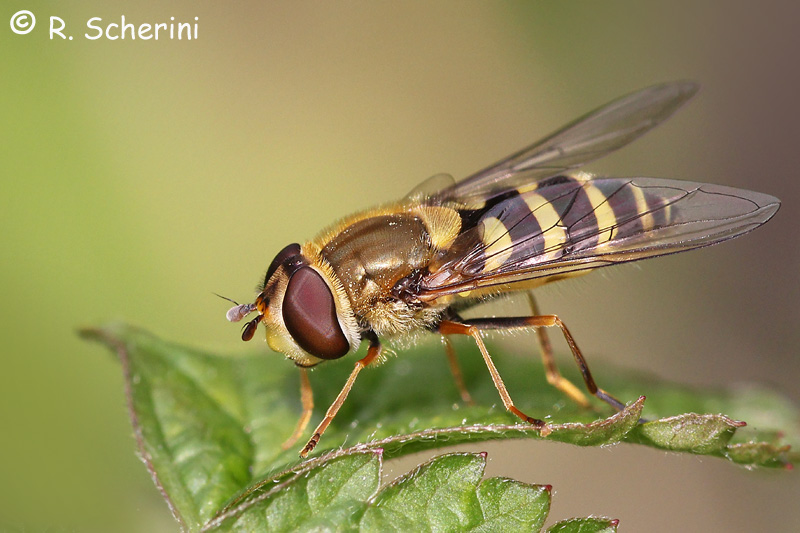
100,335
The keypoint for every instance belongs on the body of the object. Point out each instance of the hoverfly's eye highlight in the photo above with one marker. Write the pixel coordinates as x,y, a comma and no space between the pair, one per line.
309,313
289,251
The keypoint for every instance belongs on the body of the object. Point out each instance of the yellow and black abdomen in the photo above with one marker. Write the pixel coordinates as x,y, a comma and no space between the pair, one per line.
568,225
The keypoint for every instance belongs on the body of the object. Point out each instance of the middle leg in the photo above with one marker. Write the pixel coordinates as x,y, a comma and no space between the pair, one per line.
505,323
449,327
552,373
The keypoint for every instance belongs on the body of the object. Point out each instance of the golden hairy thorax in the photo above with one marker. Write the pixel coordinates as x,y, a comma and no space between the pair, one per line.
371,251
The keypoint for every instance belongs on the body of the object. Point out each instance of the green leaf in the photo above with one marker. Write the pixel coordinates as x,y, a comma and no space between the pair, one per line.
331,494
210,427
508,505
439,495
584,525
444,494
340,493
447,494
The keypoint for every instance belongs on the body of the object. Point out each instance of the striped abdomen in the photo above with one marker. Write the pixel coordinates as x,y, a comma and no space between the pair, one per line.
566,224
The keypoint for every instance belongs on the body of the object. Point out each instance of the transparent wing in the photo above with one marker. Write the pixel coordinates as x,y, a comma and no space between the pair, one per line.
569,225
594,135
430,187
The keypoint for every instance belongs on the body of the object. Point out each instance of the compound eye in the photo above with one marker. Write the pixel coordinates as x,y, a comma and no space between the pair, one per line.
309,313
289,251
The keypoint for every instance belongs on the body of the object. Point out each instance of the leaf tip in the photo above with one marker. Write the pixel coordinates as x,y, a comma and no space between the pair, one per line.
377,452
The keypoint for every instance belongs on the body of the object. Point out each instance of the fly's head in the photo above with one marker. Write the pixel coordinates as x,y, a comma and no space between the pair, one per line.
305,310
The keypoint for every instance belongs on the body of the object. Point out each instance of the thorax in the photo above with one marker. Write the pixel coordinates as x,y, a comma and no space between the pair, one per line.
371,253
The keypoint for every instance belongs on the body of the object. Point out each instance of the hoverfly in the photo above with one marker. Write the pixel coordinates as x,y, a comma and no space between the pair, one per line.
391,272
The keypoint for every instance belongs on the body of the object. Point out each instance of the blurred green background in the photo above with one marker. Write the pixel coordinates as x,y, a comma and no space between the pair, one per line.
140,176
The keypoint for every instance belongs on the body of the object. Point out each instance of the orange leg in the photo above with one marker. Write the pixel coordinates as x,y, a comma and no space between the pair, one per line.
552,373
548,321
307,399
447,327
455,369
372,353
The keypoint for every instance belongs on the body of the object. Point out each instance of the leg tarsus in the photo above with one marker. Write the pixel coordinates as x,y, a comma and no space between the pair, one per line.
610,400
372,353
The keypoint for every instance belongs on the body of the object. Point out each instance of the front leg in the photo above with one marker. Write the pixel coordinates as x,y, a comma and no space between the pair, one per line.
372,353
307,400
